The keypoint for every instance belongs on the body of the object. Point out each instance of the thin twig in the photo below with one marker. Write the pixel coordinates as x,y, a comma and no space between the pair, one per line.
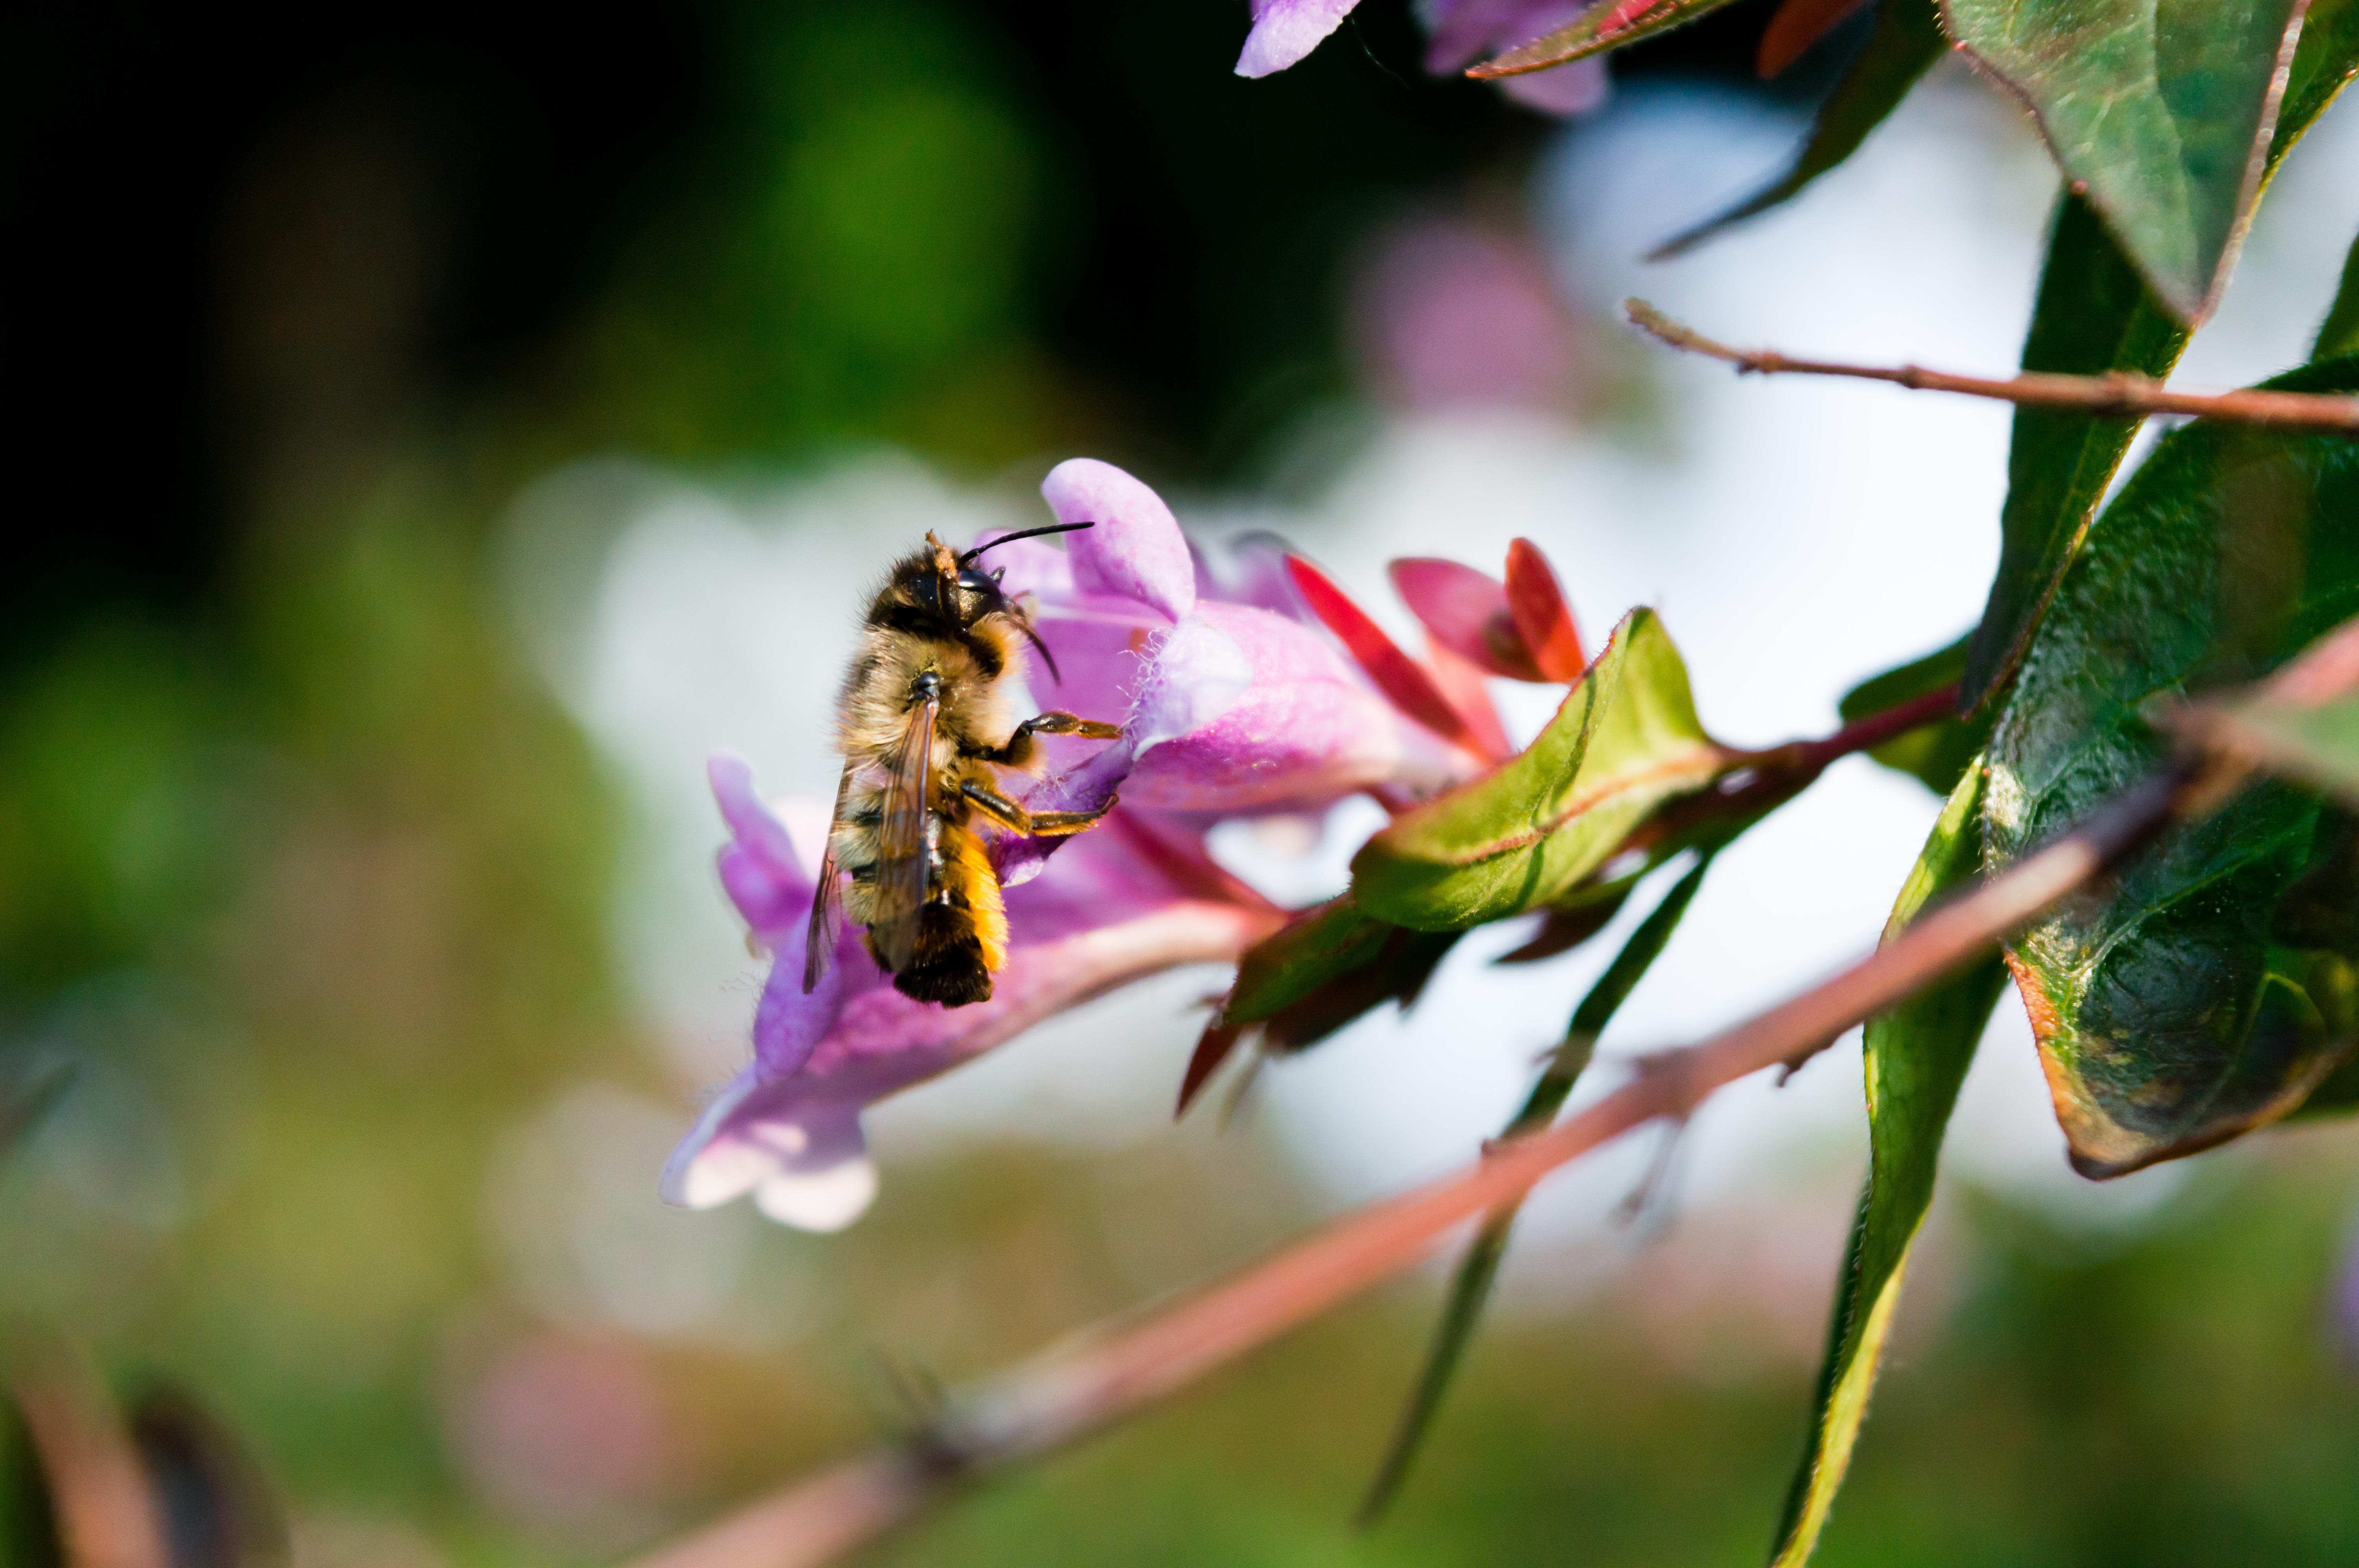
1071,1391
2119,394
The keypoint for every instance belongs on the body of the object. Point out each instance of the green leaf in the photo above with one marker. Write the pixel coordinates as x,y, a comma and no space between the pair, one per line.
1307,952
1471,1287
1915,1055
2213,987
1608,24
1907,42
1935,754
2094,314
2339,334
1626,740
2159,110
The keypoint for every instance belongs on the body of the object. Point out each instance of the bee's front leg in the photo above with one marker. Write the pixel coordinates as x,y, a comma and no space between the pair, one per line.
1032,824
1056,722
1019,749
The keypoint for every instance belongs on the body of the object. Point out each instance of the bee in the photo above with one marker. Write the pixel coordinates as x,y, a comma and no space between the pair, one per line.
926,714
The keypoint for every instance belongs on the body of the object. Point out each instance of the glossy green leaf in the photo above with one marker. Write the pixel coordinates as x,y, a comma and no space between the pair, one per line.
2157,110
2216,984
1469,1289
1916,1056
1609,25
1626,740
2339,333
1935,754
2093,314
1907,42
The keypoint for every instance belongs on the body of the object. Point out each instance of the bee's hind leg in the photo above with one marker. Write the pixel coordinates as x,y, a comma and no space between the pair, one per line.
1032,824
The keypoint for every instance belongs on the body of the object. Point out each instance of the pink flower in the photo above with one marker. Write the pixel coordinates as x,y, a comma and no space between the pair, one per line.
1119,904
1230,704
1460,31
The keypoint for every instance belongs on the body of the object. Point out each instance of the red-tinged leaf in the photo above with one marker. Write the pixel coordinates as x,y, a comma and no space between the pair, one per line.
1622,15
1798,24
1613,25
1462,686
1398,677
1466,611
1213,1048
1542,614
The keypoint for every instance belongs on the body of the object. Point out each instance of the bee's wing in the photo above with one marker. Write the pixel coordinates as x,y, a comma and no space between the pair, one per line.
826,898
903,854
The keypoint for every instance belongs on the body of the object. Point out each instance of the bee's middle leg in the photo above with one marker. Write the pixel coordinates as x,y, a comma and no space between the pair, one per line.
1033,824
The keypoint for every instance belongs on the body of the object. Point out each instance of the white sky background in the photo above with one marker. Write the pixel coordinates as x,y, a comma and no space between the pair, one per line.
1797,536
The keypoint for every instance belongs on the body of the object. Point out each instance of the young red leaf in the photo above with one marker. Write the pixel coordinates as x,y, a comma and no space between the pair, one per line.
1466,611
1462,686
1542,614
1398,677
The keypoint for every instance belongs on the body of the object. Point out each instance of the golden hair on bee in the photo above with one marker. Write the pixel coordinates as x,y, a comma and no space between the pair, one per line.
926,718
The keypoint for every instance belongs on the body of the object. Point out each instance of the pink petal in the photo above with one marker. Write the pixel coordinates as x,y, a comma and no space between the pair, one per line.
1466,611
759,869
1251,569
1305,732
1135,551
1286,30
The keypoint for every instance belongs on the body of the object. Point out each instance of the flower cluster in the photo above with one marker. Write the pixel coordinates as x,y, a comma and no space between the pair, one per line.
1236,699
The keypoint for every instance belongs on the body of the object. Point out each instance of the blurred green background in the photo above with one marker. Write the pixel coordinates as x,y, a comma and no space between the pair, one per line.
309,880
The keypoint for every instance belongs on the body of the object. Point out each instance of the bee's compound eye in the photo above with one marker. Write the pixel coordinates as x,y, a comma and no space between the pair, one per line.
973,581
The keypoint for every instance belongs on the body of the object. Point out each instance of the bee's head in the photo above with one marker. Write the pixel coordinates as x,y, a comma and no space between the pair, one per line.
962,593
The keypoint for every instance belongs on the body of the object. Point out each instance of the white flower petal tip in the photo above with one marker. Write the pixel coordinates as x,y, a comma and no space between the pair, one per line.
822,1201
715,1174
1284,31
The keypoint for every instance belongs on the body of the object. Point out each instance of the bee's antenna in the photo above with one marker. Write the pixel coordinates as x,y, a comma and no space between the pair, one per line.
968,559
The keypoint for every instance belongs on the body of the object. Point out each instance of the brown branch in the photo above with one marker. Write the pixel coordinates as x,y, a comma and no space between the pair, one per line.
1068,1392
2119,394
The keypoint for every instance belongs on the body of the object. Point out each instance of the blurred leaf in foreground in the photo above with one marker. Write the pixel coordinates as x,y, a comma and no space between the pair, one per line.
2211,988
1916,1057
1907,42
